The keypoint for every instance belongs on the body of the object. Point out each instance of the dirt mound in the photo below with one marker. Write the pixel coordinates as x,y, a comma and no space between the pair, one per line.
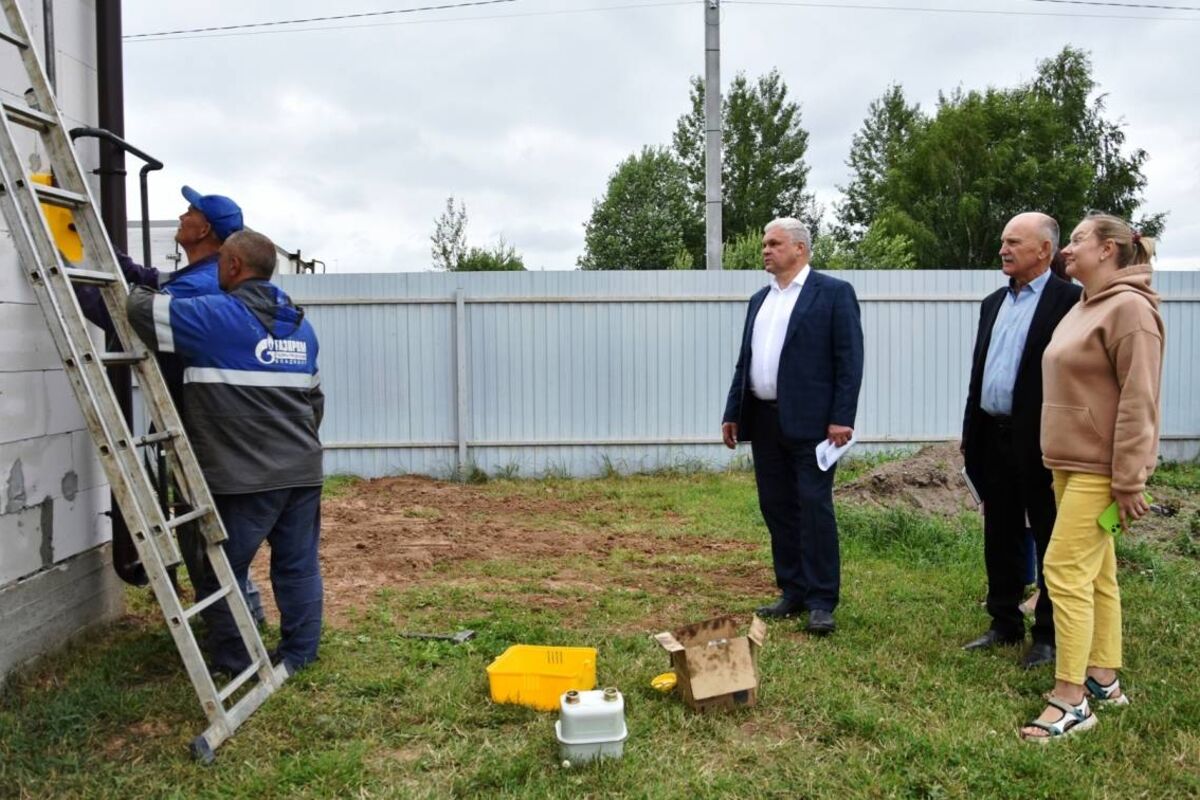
929,481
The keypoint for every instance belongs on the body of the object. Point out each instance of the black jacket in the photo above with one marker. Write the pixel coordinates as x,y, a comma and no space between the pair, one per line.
1057,299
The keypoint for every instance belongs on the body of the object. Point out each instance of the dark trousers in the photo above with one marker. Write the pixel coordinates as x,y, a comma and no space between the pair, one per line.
290,521
796,499
1011,493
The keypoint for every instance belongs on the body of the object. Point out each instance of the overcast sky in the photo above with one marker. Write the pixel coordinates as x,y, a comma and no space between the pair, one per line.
345,141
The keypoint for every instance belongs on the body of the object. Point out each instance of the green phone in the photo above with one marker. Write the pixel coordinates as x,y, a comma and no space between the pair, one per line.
1110,518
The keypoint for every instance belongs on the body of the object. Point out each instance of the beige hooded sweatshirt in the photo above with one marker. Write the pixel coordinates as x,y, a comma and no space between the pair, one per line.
1101,374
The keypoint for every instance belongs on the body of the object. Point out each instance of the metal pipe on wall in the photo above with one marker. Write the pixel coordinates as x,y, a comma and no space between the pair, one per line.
110,79
51,54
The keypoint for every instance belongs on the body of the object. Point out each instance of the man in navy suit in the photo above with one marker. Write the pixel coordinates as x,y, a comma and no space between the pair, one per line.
795,385
1001,441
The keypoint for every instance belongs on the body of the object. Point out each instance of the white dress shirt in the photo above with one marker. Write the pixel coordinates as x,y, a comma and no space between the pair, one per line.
770,328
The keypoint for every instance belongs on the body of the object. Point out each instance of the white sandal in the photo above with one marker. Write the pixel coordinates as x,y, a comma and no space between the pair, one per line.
1075,719
1103,695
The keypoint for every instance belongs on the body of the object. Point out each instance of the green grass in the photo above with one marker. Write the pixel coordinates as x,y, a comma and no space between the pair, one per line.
339,485
1178,475
888,707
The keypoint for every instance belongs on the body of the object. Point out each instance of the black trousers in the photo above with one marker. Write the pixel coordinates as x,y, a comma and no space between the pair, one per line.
796,499
1012,493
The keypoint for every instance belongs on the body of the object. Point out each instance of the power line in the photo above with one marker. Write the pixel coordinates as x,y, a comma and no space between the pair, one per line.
1119,5
926,9
166,36
359,15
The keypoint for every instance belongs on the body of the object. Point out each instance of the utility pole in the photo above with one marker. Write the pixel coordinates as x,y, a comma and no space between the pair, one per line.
712,134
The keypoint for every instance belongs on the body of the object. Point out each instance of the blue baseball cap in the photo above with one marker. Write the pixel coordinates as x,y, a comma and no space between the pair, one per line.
223,214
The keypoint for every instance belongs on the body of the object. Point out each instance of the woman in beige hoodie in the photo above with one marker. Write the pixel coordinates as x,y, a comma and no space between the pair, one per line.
1101,373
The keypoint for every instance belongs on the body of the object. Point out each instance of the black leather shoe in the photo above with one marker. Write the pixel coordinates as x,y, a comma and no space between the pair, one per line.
1040,654
820,622
992,638
781,609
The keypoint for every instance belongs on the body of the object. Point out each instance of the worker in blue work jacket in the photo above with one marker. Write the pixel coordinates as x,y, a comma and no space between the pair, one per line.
252,404
208,221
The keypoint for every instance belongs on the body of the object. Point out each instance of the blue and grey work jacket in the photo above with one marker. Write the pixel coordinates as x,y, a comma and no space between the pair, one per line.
252,400
194,280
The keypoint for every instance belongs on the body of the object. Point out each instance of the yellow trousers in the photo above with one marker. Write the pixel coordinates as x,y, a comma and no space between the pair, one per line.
1081,575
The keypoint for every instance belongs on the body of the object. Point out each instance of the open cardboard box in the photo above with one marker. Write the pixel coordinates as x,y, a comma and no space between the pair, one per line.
714,667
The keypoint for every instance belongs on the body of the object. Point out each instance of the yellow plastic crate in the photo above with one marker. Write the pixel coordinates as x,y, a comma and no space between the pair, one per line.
535,676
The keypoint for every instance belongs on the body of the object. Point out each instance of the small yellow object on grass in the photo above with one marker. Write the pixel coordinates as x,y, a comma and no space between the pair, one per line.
664,682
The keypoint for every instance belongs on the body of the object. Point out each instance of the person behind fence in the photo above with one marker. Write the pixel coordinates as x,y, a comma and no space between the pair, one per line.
1100,423
207,222
796,384
1001,426
253,405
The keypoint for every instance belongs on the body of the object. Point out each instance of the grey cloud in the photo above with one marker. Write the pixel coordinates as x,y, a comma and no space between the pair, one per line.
524,119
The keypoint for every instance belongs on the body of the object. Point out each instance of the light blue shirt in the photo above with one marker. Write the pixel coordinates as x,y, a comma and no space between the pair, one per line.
1008,344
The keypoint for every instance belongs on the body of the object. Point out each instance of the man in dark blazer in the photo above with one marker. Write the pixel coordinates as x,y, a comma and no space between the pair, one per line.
795,385
1002,425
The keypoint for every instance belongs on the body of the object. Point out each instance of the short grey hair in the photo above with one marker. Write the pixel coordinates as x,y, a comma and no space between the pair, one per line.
255,249
795,228
1051,232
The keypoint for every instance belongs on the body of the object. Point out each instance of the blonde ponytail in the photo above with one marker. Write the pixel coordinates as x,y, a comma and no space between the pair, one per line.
1132,247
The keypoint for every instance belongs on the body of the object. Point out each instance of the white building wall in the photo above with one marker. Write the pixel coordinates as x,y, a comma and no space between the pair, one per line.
53,492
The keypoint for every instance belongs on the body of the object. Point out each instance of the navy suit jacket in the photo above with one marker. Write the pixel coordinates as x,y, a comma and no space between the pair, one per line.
820,366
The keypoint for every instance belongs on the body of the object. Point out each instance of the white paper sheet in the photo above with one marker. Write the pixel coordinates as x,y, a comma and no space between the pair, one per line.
828,453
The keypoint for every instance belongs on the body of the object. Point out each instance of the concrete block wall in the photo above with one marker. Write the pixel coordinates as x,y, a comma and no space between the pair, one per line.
55,573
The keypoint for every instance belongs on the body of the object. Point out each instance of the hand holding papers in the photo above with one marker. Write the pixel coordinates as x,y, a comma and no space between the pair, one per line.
828,453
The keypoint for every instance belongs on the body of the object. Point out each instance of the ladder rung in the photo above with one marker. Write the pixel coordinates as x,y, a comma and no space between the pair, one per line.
24,115
237,682
53,195
221,593
121,359
183,519
90,276
13,40
153,438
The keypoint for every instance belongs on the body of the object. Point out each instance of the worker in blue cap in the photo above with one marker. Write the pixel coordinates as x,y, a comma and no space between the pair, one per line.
208,221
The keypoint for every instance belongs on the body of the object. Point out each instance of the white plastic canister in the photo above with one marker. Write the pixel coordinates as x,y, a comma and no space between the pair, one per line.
592,725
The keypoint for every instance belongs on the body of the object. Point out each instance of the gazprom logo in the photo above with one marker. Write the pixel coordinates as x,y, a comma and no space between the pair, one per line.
281,351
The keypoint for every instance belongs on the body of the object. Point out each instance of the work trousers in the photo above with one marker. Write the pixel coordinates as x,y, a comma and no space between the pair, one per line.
1014,502
1081,575
289,520
796,499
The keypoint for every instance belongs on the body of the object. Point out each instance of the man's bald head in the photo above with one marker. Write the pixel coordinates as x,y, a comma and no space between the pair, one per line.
1028,245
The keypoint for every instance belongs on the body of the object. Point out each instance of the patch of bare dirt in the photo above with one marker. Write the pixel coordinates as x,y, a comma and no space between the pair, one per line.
404,531
398,532
928,481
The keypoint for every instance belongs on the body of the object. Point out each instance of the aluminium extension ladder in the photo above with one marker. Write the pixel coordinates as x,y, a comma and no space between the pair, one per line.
53,280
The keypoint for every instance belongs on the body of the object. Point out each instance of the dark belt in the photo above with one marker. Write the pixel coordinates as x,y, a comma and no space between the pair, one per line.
1001,422
767,403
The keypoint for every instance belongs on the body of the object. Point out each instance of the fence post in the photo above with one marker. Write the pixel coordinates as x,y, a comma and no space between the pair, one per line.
460,364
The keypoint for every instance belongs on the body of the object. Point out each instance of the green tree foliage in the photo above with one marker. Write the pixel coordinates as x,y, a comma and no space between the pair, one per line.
449,239
764,174
501,258
1066,81
743,252
985,156
644,218
875,250
450,251
885,134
